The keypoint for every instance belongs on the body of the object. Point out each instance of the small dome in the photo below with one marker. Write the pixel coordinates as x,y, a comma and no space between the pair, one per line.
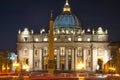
26,31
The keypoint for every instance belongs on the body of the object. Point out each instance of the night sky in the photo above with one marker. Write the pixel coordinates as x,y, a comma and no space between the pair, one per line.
35,14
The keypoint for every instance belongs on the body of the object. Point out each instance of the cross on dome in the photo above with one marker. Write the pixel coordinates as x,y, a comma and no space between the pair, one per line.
67,2
51,15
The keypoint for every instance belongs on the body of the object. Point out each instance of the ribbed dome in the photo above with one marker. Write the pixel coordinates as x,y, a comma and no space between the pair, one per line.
66,20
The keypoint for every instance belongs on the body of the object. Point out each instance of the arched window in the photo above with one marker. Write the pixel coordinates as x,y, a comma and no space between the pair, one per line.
45,52
36,52
55,52
62,52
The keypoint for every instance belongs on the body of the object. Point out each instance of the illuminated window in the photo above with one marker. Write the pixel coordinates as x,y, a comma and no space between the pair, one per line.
36,39
71,31
69,39
79,39
67,32
45,39
69,52
63,31
88,39
55,39
55,52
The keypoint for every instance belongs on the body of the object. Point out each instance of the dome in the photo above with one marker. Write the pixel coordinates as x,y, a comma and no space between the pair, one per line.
66,19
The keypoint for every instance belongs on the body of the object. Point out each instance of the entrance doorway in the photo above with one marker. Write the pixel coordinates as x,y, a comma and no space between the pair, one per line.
100,64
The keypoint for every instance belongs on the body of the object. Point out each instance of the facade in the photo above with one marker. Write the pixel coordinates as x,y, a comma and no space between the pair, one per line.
72,46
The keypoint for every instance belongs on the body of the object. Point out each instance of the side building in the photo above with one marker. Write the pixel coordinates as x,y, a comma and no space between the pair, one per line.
5,62
114,63
74,47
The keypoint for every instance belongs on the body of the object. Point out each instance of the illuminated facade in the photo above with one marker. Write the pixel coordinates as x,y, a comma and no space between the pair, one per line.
72,45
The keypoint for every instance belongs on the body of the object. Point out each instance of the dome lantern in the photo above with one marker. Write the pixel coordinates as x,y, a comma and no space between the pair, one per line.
66,7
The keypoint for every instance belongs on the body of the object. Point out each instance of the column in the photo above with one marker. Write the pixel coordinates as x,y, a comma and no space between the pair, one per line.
73,64
91,48
31,59
84,58
75,58
87,51
58,59
66,61
40,58
95,59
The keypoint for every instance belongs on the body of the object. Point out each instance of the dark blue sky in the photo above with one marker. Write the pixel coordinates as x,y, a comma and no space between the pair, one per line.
34,14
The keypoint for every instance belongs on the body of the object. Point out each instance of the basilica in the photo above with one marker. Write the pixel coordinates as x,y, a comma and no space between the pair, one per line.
74,47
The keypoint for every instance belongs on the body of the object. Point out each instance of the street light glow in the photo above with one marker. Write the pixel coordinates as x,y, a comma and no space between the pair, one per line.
16,66
26,67
112,68
80,66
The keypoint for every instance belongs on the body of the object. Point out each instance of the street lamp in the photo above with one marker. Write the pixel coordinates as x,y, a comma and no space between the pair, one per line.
26,67
16,66
8,68
112,69
80,66
3,67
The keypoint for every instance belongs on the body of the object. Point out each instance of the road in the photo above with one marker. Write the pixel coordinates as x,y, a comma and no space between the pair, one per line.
61,76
